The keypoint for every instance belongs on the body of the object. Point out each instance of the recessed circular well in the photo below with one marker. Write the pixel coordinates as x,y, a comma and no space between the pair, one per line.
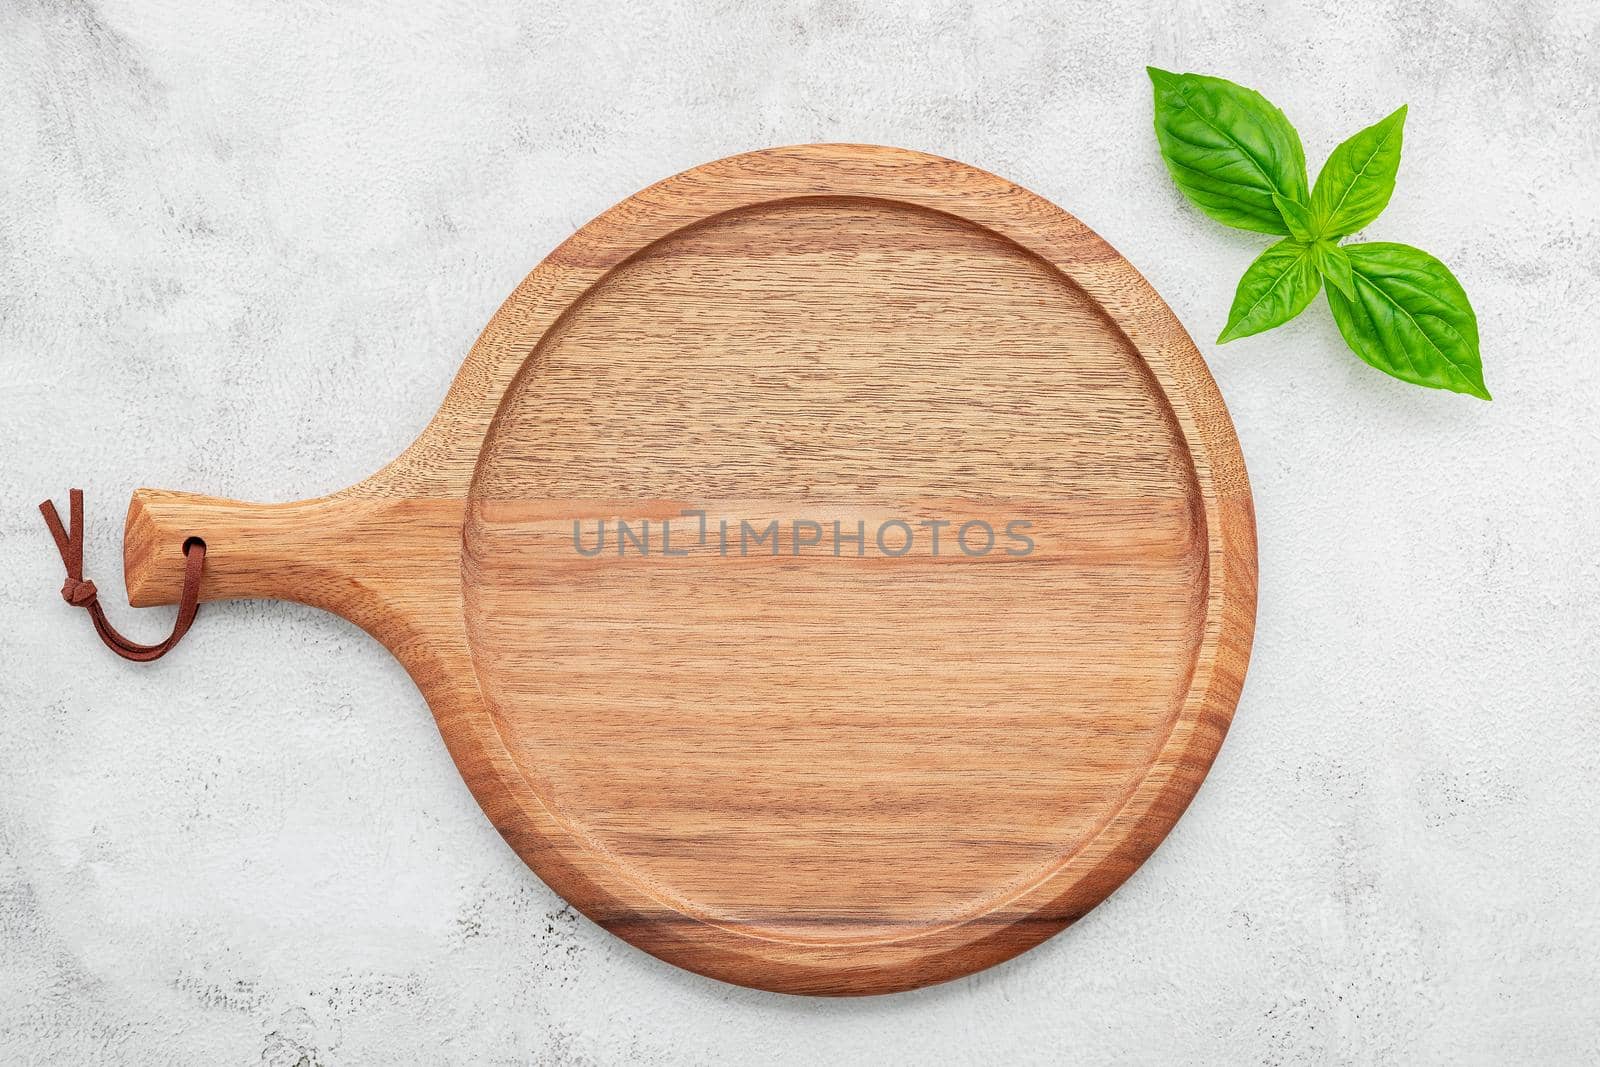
831,743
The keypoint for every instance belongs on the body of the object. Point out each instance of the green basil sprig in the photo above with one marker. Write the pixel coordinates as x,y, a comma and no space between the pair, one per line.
1238,159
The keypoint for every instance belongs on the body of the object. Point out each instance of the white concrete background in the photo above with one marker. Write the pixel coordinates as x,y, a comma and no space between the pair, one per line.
243,248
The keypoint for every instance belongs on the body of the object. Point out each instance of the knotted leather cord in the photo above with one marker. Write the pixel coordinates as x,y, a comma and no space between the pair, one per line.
80,592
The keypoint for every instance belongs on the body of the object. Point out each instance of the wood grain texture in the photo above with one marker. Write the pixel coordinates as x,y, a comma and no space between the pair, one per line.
825,769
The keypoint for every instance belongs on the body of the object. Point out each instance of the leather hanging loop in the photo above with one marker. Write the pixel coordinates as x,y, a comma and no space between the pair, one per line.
80,592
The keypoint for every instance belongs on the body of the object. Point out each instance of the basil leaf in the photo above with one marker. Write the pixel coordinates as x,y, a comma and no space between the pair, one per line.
1333,263
1297,217
1276,288
1357,180
1228,149
1410,318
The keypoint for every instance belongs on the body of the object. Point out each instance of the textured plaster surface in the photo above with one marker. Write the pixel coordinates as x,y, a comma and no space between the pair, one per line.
243,248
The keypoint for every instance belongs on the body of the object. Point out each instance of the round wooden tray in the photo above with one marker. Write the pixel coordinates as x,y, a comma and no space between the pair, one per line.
664,566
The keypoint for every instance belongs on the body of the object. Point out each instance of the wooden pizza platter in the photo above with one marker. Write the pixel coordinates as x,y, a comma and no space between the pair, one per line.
834,766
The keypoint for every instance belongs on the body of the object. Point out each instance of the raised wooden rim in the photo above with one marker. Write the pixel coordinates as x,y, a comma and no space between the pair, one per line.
1129,835
385,553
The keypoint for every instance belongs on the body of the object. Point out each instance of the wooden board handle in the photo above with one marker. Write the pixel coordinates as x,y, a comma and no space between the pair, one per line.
249,547
342,553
